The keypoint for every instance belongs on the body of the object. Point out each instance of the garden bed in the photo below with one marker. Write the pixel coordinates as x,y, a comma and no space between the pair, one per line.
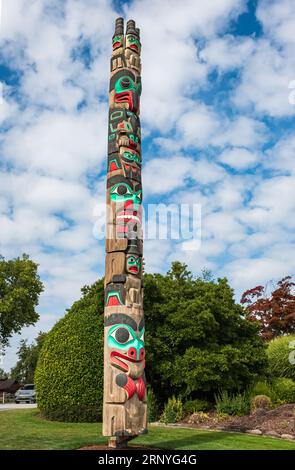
277,422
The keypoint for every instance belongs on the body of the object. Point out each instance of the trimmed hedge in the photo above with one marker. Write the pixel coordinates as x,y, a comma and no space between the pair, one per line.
69,373
279,352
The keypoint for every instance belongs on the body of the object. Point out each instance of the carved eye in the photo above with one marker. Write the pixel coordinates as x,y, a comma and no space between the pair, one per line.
128,156
121,190
142,336
125,82
131,259
121,335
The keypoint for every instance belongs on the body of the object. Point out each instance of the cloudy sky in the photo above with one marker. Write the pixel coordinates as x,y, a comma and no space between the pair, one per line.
218,126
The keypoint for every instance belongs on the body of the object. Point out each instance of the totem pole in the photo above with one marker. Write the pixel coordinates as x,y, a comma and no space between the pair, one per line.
124,411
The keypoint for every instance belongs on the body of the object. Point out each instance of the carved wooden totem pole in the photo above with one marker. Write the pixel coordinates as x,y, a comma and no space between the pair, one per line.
124,413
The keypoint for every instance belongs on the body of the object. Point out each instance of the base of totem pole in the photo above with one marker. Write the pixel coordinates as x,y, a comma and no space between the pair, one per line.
119,442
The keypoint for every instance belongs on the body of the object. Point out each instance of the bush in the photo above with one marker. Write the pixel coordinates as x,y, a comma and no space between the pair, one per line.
278,353
198,418
207,345
233,404
173,411
152,404
194,406
69,374
261,388
260,402
284,390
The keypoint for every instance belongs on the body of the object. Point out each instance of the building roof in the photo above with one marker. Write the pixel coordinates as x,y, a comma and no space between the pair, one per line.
9,385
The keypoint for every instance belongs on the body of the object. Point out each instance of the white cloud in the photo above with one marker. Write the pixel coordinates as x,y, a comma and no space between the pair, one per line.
197,126
269,68
59,144
171,66
241,131
246,273
8,108
161,175
223,226
277,196
266,87
205,172
278,18
239,158
227,52
281,157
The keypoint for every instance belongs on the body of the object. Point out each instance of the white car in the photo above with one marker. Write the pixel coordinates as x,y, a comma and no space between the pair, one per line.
26,394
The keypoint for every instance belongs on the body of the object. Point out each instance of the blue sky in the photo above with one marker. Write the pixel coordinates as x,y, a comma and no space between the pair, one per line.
217,122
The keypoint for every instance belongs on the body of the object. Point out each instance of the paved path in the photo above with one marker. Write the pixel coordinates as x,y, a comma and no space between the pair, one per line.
16,406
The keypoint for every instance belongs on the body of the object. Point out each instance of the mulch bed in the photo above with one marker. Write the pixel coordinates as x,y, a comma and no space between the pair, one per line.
281,420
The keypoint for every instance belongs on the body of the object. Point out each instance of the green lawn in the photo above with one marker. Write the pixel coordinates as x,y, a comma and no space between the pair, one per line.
24,429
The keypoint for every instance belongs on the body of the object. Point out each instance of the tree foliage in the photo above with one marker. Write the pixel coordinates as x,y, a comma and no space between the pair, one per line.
3,374
20,287
197,338
274,313
69,373
28,355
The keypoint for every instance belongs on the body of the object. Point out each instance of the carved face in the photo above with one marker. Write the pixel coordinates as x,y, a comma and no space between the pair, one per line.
126,194
113,162
134,140
117,41
133,263
124,130
127,89
125,191
131,157
115,295
125,339
131,162
133,43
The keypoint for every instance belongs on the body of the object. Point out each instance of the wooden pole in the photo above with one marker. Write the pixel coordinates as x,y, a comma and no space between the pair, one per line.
125,408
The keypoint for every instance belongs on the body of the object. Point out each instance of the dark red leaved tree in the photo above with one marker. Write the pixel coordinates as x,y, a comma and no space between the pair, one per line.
275,313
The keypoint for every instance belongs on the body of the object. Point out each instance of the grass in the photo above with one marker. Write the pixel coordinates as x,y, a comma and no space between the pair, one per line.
24,429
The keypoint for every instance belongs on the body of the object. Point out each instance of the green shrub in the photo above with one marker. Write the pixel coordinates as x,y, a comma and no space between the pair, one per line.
261,388
173,411
213,346
194,406
152,404
69,374
278,353
284,390
232,404
260,402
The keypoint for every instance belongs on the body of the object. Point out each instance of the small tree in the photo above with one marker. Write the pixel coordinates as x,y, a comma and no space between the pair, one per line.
3,374
20,287
274,313
28,355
